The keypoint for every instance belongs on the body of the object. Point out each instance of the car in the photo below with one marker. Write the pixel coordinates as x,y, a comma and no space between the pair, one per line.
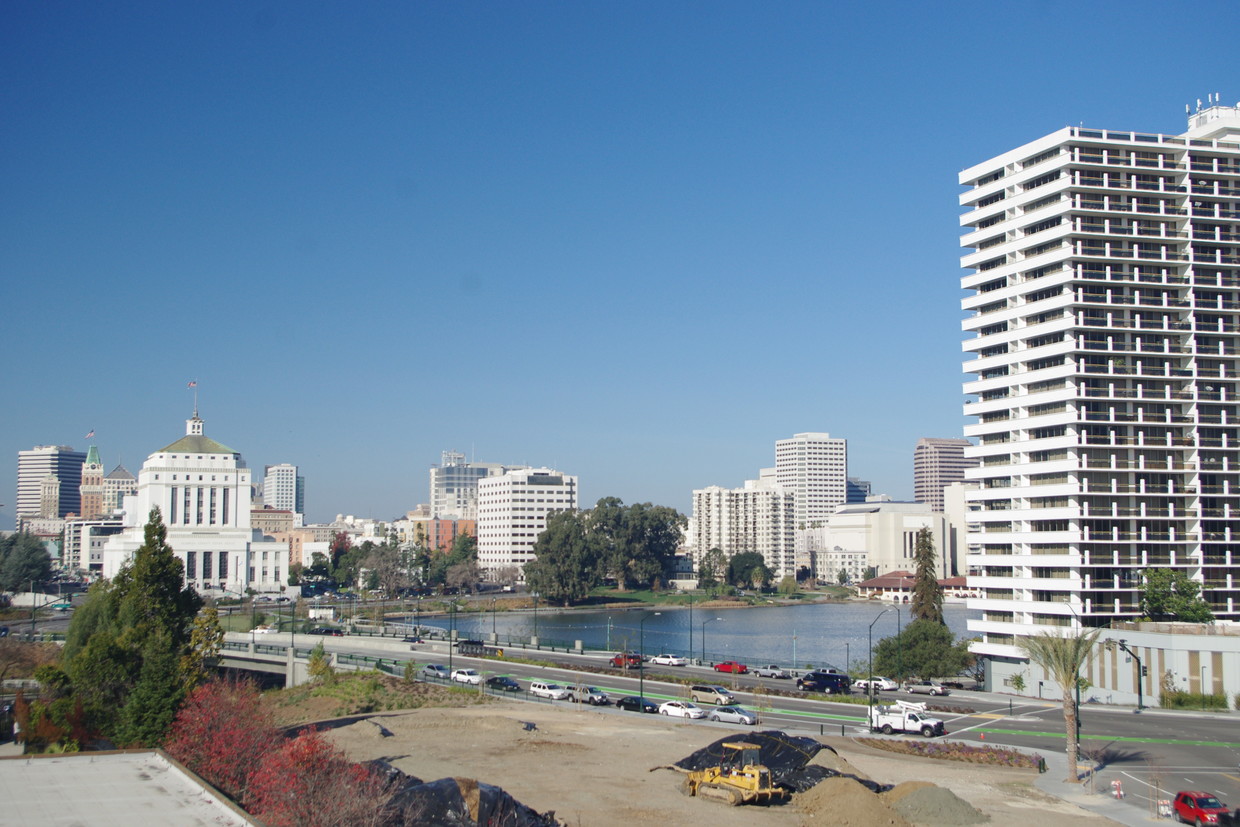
879,684
265,630
502,683
546,689
434,671
4,631
412,639
733,715
771,671
262,598
626,660
735,667
682,709
282,599
326,630
828,683
926,688
632,704
581,693
711,694
670,660
1197,807
469,676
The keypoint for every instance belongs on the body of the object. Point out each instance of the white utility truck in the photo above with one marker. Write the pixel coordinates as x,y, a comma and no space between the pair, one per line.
905,716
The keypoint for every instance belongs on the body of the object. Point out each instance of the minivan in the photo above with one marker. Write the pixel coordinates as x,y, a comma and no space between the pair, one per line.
710,694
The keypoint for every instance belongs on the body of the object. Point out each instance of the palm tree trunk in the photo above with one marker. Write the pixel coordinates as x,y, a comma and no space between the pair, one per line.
1069,719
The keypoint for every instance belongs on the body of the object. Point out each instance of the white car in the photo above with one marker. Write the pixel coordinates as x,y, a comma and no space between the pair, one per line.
880,684
682,709
265,630
670,660
554,691
467,676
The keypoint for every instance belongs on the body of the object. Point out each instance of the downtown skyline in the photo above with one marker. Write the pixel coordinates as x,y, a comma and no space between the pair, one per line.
636,244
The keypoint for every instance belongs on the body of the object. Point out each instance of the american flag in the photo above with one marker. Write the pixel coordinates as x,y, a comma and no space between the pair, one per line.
91,435
192,384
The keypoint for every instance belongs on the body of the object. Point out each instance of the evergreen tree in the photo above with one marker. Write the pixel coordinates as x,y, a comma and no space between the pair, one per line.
927,594
567,562
23,560
1169,594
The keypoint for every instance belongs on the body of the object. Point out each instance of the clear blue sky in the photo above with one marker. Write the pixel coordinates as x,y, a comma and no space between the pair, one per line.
638,242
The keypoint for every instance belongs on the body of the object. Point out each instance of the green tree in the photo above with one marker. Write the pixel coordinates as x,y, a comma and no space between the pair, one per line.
320,665
788,585
1061,658
869,572
923,649
748,569
636,543
295,572
712,568
1169,594
842,577
23,560
927,594
206,639
567,561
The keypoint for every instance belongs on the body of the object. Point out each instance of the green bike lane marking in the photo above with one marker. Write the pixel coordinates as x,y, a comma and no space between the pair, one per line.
1133,739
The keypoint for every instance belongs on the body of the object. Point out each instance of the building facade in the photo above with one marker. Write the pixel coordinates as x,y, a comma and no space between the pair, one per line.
1103,279
886,533
454,485
49,481
814,467
84,540
937,463
92,484
284,489
202,490
756,518
117,485
512,511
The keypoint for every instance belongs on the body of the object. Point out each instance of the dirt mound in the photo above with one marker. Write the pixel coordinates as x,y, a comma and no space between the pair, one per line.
933,806
904,788
846,803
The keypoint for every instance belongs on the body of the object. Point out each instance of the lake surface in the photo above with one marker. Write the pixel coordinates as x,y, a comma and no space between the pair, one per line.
821,634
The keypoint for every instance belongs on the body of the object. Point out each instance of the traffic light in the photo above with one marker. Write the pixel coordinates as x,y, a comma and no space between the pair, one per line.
1145,670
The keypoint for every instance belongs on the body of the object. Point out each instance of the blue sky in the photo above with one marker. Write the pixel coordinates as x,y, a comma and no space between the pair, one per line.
637,242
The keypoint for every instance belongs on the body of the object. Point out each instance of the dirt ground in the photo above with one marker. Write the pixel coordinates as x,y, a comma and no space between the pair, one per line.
595,768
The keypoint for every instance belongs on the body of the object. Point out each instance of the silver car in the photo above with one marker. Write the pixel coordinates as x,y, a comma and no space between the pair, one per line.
733,715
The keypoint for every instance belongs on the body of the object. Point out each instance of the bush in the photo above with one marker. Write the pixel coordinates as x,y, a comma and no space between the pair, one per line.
1176,699
958,751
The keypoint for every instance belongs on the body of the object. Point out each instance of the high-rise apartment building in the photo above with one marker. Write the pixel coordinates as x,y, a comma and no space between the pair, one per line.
754,518
1104,301
49,481
512,511
454,485
815,468
284,489
937,463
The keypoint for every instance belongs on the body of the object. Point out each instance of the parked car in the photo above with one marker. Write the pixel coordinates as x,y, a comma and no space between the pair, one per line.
4,631
926,688
502,683
265,630
626,660
711,694
470,676
828,683
1197,807
434,671
633,704
589,695
878,683
545,689
771,671
735,667
282,599
733,715
670,660
326,630
682,709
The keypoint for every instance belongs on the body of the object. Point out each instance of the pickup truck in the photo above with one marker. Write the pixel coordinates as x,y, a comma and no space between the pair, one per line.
905,716
771,671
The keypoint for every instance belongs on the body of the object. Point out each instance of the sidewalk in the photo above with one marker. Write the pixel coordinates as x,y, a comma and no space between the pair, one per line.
1131,812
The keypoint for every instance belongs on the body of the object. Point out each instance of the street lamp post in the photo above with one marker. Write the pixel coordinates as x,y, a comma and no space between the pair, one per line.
899,647
847,658
494,636
535,614
869,687
690,625
418,630
641,673
704,622
451,632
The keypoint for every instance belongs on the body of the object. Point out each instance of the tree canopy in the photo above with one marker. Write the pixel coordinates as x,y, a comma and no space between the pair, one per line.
749,570
1169,594
927,594
23,559
923,649
1062,658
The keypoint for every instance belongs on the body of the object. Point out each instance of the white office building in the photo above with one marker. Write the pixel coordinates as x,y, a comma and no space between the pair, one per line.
512,511
814,467
758,518
1103,278
202,489
454,485
49,481
285,490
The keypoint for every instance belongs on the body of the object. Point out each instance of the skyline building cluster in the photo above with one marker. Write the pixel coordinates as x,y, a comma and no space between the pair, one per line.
1103,279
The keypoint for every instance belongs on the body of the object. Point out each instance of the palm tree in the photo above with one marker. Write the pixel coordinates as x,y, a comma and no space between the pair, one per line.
1062,658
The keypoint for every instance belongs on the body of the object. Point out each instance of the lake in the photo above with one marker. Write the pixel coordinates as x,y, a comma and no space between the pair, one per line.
821,634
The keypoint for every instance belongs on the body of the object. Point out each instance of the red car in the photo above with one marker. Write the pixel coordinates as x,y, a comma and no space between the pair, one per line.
1196,807
731,666
627,660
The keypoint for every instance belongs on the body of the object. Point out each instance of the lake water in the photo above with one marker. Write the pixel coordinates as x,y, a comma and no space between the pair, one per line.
821,634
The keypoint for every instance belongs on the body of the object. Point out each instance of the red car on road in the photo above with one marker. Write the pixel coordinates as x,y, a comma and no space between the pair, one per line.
731,666
627,660
1196,807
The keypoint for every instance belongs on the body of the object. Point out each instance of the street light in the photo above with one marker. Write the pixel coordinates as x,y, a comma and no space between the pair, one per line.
1123,644
704,622
494,636
869,686
451,631
690,625
641,651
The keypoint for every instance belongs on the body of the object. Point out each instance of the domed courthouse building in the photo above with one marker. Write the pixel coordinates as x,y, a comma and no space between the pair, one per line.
202,490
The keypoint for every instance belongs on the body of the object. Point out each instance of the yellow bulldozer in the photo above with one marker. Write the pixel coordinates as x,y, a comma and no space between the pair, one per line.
737,779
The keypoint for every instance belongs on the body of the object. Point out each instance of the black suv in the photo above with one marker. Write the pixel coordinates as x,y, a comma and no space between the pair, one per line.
828,683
